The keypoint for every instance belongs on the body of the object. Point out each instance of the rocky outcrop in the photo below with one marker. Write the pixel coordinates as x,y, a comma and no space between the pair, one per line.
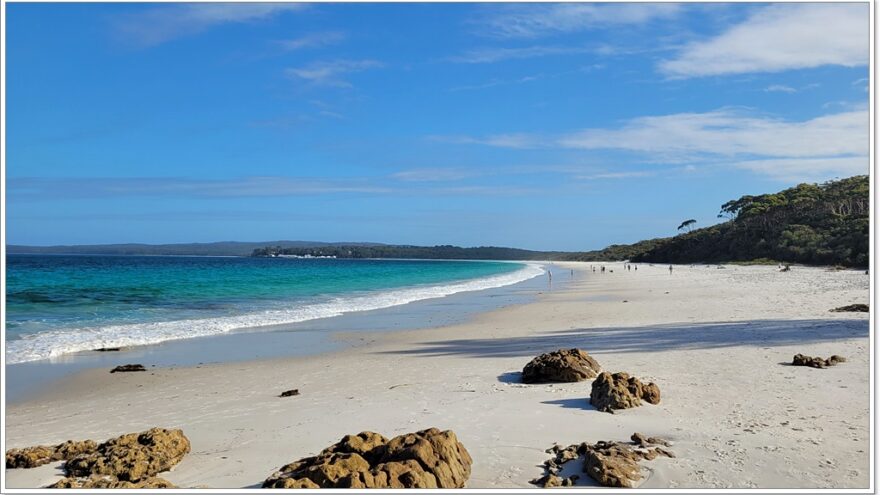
132,457
614,464
128,461
621,391
554,481
564,365
852,308
290,393
31,457
125,368
111,482
816,362
425,459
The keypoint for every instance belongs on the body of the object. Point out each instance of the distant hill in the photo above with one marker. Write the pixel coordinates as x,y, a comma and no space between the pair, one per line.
818,224
228,248
445,252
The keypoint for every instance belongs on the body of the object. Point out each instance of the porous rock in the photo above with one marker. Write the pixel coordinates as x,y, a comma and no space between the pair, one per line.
564,365
613,464
816,362
132,457
852,308
106,481
31,457
125,368
621,391
425,459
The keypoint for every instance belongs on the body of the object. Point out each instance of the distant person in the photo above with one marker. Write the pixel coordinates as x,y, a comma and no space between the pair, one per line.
670,269
572,274
636,268
603,269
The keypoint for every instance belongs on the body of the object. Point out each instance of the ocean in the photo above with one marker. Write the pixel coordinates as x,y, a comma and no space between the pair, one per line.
57,305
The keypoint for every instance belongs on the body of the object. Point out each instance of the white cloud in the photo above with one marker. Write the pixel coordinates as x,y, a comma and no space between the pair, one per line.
778,38
515,140
533,21
433,174
330,73
617,175
161,24
808,170
490,55
313,40
779,88
730,133
829,145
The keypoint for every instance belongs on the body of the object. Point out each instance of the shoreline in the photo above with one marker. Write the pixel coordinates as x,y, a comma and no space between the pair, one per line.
26,379
712,339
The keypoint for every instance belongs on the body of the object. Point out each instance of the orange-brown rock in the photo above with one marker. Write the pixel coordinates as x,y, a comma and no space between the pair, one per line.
31,457
621,391
425,459
132,457
816,362
106,481
564,365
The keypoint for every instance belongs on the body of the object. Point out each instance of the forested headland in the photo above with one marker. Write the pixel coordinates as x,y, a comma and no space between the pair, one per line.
816,224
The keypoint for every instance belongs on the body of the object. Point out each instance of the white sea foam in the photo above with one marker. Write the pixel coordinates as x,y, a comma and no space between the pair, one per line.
54,343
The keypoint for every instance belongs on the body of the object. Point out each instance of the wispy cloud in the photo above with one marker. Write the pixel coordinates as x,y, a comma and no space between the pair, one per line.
779,88
811,169
103,187
490,55
725,135
499,82
434,174
312,40
533,21
618,175
728,132
778,38
520,140
158,25
331,73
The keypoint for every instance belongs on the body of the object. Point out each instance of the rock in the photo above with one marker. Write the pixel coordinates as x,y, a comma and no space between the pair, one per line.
425,459
852,308
609,463
553,481
641,441
289,393
132,457
564,365
31,457
835,359
127,368
816,362
613,464
617,464
111,482
108,349
621,391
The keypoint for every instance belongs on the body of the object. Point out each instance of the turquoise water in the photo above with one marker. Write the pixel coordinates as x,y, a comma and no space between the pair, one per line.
62,304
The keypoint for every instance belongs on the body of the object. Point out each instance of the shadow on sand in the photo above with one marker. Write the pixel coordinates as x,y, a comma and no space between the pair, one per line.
654,338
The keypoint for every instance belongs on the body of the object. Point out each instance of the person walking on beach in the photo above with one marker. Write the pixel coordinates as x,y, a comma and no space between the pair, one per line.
670,269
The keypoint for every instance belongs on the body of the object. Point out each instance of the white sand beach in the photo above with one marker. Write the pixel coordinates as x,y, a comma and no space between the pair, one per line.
716,341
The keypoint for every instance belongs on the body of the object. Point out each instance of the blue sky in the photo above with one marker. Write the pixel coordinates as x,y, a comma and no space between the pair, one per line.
542,126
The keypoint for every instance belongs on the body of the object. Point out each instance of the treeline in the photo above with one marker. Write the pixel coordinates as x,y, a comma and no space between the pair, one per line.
228,248
819,224
445,252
